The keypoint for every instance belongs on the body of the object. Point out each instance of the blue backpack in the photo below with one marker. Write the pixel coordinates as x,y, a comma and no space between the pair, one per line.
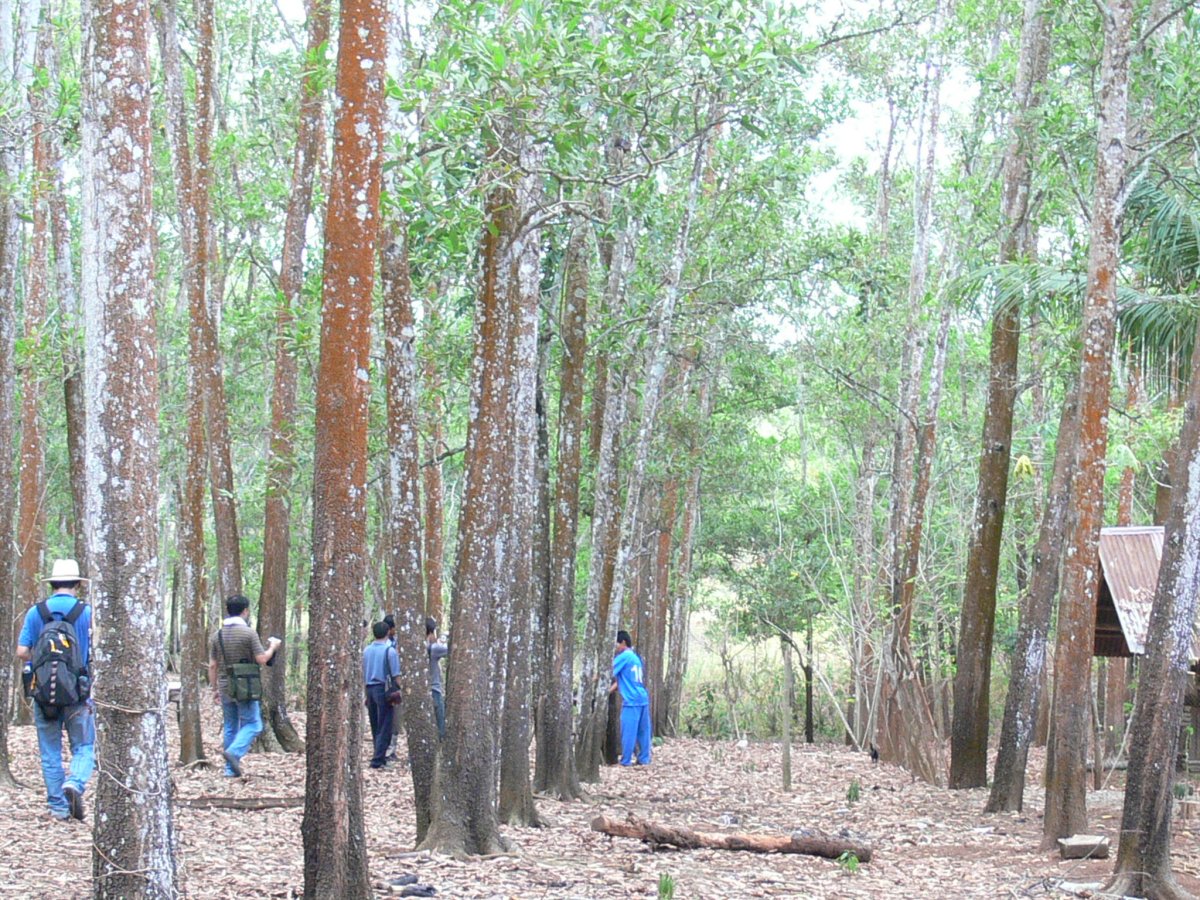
59,676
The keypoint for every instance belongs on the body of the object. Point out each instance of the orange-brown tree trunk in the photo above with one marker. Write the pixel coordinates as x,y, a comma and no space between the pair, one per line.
335,853
1066,782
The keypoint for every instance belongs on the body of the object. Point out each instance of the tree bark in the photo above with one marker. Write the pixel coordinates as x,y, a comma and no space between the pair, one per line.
655,649
464,818
1066,787
678,646
432,470
335,852
555,773
133,835
31,513
1028,666
972,680
405,584
1144,852
281,465
786,711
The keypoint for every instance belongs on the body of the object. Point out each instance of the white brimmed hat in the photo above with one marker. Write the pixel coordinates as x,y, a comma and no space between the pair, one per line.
64,570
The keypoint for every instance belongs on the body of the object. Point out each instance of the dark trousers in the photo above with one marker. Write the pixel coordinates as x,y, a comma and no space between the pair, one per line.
379,712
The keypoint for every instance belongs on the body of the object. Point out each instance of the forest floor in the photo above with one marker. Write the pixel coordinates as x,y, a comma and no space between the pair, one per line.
927,841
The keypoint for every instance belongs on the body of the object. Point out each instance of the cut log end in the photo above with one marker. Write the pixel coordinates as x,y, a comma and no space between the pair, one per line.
1083,846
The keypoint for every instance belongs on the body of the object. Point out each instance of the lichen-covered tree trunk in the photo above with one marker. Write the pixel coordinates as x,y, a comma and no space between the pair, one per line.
465,787
431,470
605,509
405,584
681,599
133,837
281,466
555,771
1066,780
515,802
1028,666
972,680
335,852
660,594
1144,852
902,705
650,396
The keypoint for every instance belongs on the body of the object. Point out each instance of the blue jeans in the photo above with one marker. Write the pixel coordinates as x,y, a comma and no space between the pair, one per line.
379,713
243,723
635,729
80,722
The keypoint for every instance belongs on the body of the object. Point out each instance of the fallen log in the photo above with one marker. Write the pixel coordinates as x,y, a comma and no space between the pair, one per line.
811,843
246,803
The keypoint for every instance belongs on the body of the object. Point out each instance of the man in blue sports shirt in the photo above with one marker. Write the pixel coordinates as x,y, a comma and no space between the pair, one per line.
64,795
635,702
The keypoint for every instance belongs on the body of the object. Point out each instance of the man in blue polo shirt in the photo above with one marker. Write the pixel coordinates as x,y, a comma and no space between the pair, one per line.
65,796
381,673
635,702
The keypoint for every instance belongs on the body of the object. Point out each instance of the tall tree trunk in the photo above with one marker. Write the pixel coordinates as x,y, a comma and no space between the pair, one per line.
191,187
1066,787
660,594
680,601
31,513
972,680
405,583
651,391
464,818
10,237
281,464
555,773
133,836
605,510
335,852
1144,853
1028,668
432,469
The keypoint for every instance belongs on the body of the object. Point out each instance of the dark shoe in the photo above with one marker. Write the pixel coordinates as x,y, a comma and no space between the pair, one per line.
235,764
74,801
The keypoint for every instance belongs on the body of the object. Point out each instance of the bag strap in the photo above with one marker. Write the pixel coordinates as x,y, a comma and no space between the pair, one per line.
43,609
76,611
221,641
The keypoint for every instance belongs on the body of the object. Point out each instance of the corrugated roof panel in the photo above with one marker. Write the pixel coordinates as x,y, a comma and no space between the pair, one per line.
1130,556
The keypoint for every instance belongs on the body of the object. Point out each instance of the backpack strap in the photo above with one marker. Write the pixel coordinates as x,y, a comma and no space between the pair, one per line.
43,609
221,641
76,611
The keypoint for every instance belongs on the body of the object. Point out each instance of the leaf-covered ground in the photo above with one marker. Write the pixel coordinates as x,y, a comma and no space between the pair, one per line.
928,842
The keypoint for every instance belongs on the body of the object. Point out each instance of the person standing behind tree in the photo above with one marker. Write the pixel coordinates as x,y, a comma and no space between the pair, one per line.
635,702
436,650
381,672
234,655
59,685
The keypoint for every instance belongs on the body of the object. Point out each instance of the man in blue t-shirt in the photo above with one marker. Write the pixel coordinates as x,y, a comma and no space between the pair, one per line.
635,702
381,673
64,795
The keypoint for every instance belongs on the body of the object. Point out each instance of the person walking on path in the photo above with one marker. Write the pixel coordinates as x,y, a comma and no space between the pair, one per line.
635,702
57,673
381,674
436,650
236,645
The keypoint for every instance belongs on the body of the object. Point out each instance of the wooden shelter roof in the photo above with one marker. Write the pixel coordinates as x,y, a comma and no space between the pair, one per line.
1129,558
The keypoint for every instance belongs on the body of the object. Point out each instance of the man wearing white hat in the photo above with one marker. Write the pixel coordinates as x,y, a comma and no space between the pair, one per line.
64,795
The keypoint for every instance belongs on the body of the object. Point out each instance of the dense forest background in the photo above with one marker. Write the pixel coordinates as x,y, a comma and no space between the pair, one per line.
688,318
